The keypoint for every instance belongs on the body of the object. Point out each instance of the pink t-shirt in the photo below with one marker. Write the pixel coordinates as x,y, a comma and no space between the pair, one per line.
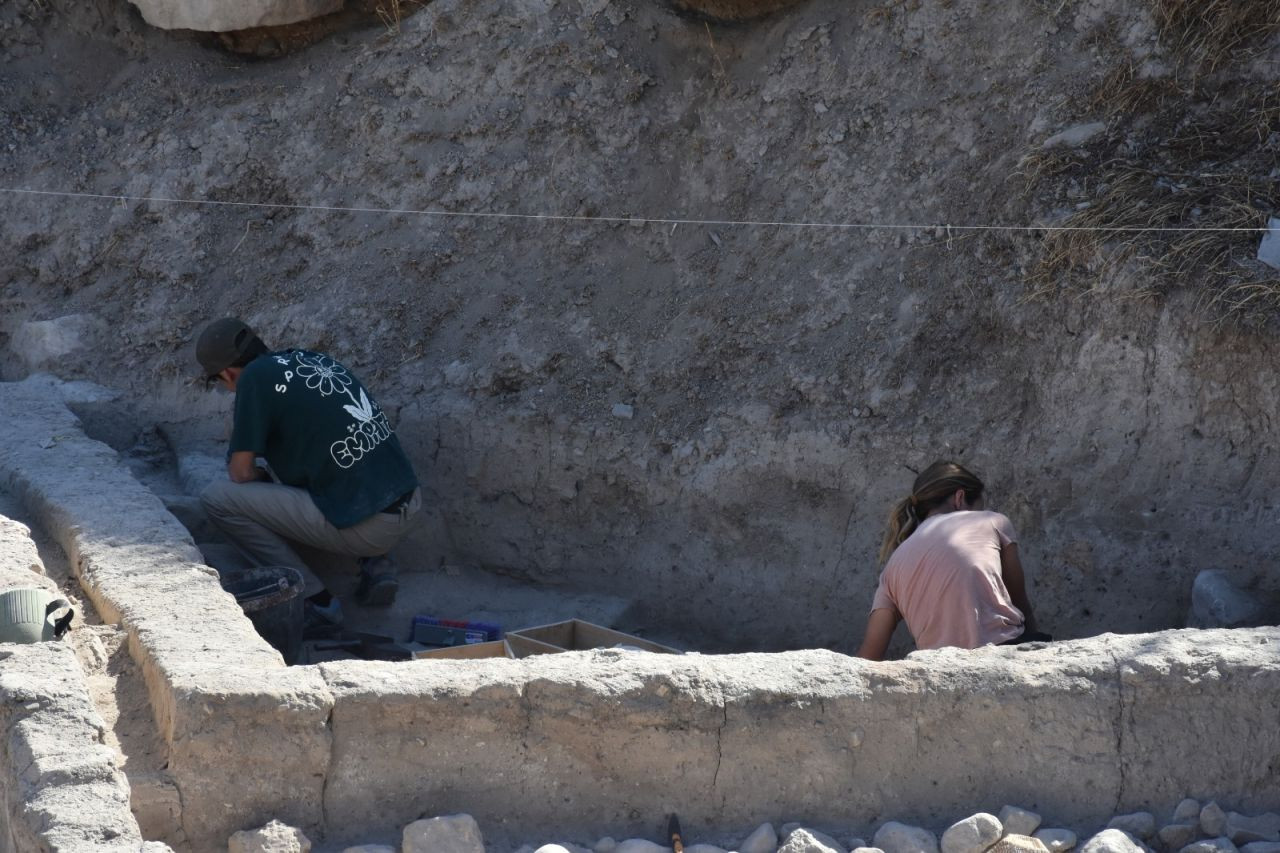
945,580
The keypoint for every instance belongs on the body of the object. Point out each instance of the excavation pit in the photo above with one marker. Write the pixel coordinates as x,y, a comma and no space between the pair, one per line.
605,741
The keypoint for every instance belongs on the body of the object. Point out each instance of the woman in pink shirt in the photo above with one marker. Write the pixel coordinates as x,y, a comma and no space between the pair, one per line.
951,570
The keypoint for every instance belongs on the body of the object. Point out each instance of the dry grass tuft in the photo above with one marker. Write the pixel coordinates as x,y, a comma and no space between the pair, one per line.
1211,32
1197,149
1217,168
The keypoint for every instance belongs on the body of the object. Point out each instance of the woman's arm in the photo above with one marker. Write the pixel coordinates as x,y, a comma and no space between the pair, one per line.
1014,581
879,631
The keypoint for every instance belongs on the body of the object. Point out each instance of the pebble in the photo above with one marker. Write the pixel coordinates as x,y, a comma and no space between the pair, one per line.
762,840
974,834
1018,821
803,840
1111,841
1212,820
622,410
896,837
1056,840
1243,829
1138,824
1221,844
1175,836
1187,811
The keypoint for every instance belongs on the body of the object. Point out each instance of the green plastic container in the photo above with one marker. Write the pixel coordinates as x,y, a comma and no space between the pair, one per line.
26,616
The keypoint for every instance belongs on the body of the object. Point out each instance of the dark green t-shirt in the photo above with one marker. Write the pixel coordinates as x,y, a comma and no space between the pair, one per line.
315,424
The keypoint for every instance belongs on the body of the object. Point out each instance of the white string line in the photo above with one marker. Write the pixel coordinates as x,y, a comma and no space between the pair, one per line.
632,220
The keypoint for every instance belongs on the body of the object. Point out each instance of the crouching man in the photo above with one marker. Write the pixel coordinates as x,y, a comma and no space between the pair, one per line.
337,478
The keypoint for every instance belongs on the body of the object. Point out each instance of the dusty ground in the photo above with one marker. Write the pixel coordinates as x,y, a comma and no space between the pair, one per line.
784,381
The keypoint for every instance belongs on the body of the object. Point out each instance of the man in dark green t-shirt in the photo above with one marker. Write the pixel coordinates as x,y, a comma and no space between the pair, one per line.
336,477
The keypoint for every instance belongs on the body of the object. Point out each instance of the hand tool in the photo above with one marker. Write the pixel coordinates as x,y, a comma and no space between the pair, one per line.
673,830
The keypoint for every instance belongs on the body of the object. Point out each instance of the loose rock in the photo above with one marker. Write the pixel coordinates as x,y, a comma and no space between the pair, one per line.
1175,836
370,848
1112,841
1187,811
1261,847
762,840
896,837
1242,829
1212,820
704,848
974,834
1018,844
1221,844
449,834
605,845
275,837
808,841
1057,840
1075,136
1138,824
1018,821
640,845
1218,601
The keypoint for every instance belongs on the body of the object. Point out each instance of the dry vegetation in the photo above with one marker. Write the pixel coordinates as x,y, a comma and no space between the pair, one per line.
1186,158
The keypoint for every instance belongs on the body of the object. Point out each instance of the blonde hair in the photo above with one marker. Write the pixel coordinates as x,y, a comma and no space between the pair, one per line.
931,489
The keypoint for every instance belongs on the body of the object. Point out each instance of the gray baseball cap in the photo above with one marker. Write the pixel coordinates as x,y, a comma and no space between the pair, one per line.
222,343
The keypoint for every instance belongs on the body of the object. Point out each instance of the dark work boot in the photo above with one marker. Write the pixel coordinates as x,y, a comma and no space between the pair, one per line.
378,585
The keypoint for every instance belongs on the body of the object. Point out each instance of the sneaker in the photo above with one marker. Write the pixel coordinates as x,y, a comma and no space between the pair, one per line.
378,585
319,623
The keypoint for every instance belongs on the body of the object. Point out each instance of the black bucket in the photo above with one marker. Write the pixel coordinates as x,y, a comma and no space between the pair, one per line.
271,597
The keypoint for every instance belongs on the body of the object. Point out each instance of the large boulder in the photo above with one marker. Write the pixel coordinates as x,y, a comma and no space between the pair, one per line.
219,16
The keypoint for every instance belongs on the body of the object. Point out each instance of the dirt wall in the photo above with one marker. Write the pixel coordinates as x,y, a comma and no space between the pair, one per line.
782,382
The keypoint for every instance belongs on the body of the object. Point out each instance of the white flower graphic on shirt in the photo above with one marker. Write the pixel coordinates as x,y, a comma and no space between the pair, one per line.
323,374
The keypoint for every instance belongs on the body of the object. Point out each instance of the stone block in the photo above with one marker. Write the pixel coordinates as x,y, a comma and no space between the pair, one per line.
1175,836
1213,820
1111,841
1243,829
274,837
457,833
216,16
974,834
762,840
810,841
1138,824
1017,821
1018,844
1220,600
46,344
894,837
1187,811
1056,840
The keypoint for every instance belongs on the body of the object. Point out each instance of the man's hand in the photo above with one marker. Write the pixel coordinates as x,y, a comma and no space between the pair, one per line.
879,631
241,467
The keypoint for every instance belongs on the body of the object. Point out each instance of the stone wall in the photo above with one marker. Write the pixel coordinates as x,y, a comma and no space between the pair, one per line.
611,740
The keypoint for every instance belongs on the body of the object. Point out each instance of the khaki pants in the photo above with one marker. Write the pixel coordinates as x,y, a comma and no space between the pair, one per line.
261,519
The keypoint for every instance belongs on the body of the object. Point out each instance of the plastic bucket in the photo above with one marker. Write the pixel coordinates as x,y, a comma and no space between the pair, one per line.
26,616
271,597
